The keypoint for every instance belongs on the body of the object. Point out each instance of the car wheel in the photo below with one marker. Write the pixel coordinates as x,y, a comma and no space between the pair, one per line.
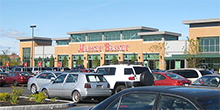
15,83
33,89
46,93
119,88
146,79
76,96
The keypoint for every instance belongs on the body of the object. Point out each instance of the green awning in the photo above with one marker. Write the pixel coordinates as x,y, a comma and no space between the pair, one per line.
181,57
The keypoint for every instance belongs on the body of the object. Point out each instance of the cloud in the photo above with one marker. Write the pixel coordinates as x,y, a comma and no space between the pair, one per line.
11,33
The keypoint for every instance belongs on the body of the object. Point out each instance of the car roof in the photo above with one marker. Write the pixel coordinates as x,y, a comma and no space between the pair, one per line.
218,75
188,69
189,92
121,66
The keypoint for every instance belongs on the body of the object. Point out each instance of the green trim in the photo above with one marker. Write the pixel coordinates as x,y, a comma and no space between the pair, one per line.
197,56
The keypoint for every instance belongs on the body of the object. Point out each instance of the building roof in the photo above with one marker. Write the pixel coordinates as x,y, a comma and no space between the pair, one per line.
61,38
34,38
159,33
115,29
201,21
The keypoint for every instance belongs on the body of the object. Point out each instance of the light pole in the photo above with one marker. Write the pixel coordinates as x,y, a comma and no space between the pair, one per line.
32,44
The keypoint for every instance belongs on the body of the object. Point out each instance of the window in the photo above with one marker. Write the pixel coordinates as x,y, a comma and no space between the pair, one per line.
128,71
106,71
134,101
158,77
42,76
60,78
112,35
72,78
95,78
208,44
94,37
174,103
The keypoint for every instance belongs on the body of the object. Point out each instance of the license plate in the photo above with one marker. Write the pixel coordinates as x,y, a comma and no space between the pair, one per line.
99,86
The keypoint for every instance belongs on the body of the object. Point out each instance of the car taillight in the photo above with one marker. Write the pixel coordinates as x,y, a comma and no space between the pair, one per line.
131,78
180,83
87,85
22,77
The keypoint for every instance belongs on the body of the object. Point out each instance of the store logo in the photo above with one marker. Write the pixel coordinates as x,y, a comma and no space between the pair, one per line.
107,47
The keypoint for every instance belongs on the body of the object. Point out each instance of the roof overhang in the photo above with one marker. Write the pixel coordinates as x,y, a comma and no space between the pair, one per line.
115,29
34,38
159,33
61,38
201,21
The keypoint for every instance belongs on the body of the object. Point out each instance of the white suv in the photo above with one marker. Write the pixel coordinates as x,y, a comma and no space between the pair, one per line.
125,76
190,73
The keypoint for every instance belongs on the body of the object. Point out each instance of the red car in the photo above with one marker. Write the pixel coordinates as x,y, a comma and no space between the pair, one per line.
18,77
172,79
2,78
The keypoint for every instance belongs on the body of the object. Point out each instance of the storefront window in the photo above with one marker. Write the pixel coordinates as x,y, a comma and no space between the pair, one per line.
26,55
112,35
78,37
209,44
130,34
94,37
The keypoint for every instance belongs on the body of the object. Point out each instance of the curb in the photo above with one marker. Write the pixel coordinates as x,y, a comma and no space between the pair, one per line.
39,107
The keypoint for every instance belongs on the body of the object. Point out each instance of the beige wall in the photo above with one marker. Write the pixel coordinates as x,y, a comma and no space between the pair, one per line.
204,32
135,46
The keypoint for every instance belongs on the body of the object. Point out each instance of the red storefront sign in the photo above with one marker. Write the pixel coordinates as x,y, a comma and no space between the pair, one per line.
25,64
59,64
39,63
107,47
7,63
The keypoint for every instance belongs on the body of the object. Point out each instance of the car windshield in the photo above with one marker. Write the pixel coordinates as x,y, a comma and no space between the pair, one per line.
3,74
207,81
139,70
210,103
203,72
24,74
95,78
174,76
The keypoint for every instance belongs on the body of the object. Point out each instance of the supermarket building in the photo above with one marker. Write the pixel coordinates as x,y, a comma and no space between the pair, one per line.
153,48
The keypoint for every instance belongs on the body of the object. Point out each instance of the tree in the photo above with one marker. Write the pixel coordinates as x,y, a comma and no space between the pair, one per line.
79,61
133,59
64,62
51,61
114,60
192,54
96,62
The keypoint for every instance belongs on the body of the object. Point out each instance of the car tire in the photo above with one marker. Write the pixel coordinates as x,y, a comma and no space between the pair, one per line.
15,83
76,97
119,88
45,91
146,79
33,89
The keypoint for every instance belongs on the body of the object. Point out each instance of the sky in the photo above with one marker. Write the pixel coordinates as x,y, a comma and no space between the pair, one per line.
54,18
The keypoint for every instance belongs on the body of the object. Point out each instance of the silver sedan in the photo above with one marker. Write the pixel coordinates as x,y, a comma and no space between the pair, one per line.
35,82
78,87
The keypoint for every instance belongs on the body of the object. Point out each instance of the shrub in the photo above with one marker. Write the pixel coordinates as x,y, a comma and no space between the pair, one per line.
4,96
40,97
16,92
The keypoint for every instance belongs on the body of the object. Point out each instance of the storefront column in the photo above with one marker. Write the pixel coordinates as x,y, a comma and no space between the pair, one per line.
102,58
140,57
85,60
56,61
120,56
70,61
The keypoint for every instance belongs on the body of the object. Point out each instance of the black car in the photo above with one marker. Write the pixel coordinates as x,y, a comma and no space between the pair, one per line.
163,98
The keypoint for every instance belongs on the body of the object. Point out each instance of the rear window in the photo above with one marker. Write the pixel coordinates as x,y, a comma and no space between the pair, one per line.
139,70
175,76
24,74
95,78
4,74
203,72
